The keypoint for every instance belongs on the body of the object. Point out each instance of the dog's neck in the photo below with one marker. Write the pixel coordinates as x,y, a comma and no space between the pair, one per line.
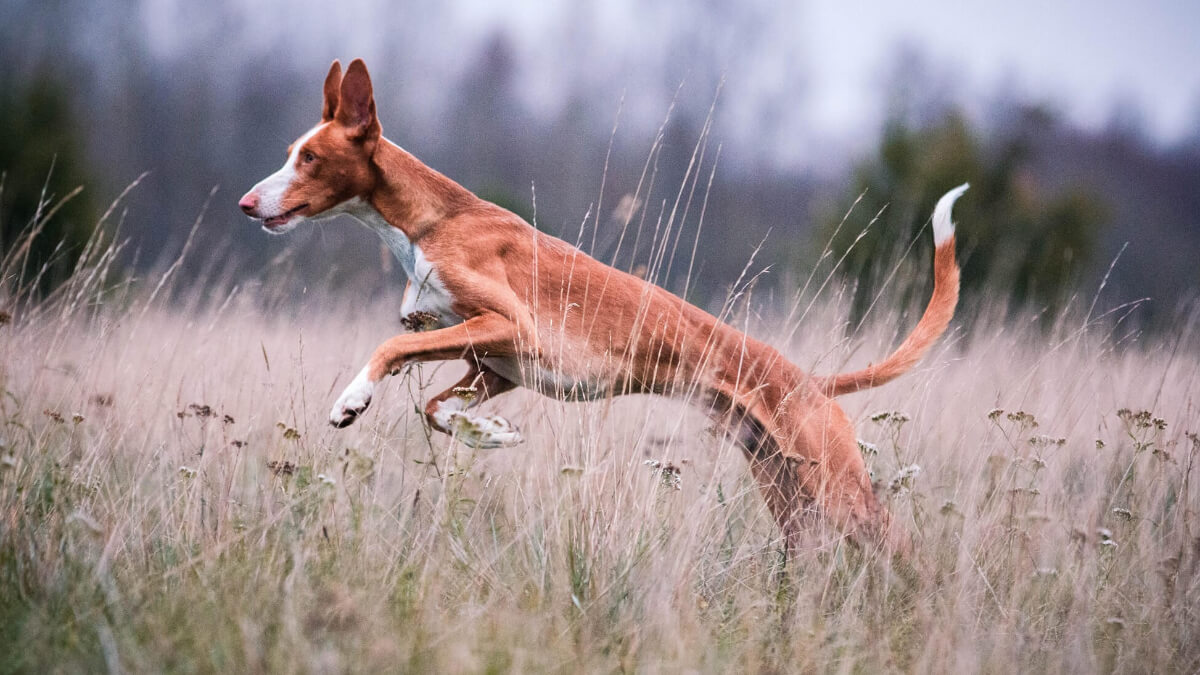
411,196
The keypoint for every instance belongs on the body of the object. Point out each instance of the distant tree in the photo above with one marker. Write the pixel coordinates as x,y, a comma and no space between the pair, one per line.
488,117
1017,242
41,158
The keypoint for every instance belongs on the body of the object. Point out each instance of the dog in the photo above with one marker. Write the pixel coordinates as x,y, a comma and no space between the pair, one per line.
523,308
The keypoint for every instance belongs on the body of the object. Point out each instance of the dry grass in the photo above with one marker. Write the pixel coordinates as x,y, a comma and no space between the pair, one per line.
172,499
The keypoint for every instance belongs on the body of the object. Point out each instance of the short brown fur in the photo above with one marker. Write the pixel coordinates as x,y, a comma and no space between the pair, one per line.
522,293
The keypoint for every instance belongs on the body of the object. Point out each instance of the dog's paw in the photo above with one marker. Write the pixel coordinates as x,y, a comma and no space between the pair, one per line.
353,401
482,433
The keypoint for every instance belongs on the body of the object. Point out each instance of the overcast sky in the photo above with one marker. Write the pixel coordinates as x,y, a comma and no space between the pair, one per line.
1082,56
1086,59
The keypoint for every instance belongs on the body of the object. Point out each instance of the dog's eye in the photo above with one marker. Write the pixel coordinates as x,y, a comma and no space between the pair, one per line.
309,158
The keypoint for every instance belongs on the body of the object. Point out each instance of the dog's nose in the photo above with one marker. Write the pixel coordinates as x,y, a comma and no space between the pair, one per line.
249,203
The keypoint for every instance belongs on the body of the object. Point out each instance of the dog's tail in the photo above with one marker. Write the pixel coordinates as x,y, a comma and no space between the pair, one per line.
932,324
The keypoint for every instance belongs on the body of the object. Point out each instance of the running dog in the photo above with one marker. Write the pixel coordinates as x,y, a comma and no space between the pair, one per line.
523,308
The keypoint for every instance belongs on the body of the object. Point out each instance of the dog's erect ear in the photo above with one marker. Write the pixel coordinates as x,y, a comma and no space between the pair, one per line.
356,105
333,85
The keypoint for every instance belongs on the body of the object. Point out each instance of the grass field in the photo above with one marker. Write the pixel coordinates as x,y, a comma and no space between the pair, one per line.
172,499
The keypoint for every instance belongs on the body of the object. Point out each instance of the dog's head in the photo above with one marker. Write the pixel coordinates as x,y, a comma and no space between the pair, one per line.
327,166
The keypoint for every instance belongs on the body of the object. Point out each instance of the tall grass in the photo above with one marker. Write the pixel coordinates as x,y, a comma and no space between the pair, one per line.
173,499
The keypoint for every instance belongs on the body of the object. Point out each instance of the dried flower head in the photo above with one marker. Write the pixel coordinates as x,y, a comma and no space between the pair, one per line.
1043,441
893,417
419,321
1141,419
201,410
1023,419
868,449
671,475
289,433
904,479
284,468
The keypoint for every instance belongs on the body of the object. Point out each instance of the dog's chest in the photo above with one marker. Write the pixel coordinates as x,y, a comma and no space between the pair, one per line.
427,304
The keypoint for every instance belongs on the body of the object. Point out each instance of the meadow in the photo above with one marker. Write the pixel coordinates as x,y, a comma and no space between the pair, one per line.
173,499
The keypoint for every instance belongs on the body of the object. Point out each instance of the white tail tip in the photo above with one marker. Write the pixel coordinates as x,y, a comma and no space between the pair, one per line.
943,227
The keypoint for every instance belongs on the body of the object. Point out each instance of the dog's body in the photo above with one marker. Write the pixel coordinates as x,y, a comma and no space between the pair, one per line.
524,308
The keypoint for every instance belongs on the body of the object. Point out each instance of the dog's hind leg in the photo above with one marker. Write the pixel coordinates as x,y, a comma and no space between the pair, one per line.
810,465
775,473
447,412
836,475
776,477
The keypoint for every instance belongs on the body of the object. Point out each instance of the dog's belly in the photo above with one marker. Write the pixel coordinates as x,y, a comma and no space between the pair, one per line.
548,381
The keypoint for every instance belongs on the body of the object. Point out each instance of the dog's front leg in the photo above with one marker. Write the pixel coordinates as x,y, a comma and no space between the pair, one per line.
353,401
477,337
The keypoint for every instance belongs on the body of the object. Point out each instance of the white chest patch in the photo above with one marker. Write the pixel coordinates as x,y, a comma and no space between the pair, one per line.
425,292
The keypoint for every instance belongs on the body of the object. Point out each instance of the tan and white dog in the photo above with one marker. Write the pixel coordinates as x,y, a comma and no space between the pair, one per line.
526,309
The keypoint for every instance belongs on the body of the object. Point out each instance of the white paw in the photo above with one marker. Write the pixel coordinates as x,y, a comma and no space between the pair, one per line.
482,433
353,401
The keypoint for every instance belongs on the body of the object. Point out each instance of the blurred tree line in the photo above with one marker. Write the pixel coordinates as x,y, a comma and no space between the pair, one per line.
45,219
210,94
1021,243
